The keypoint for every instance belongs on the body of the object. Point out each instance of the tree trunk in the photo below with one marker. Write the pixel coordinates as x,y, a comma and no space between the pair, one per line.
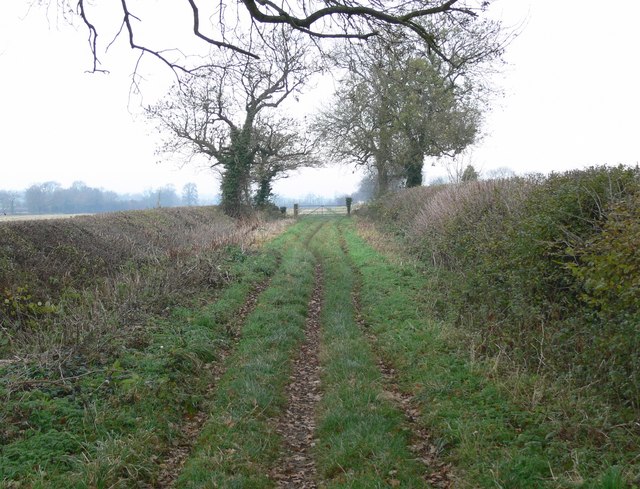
382,180
235,181
413,167
264,191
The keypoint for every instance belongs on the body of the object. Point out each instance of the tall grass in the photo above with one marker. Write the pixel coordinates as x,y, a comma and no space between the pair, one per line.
121,367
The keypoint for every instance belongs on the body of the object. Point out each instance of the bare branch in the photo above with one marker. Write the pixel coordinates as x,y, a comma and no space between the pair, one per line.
220,44
317,19
157,54
93,37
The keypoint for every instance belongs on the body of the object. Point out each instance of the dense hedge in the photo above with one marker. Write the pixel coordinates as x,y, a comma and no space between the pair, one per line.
546,268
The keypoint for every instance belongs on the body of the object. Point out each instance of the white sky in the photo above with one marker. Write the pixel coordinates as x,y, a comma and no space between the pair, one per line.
570,100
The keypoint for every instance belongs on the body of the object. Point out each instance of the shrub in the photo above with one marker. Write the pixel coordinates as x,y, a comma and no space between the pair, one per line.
609,271
609,267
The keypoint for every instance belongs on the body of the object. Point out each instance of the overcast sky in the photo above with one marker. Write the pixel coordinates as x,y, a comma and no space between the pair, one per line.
570,100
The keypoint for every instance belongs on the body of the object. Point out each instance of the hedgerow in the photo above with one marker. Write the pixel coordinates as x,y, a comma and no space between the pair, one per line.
544,268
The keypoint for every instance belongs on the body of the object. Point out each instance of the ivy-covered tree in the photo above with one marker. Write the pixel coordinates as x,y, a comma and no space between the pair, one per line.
223,113
281,148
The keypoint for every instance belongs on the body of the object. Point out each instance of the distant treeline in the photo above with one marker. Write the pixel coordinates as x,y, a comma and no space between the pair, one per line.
52,198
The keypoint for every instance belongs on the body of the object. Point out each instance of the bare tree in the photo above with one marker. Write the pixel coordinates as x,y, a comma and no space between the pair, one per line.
190,194
500,173
214,23
8,200
217,112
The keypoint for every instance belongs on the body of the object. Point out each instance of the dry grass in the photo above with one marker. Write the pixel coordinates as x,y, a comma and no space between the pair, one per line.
482,206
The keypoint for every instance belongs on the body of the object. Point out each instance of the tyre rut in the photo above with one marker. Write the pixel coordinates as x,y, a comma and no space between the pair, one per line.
175,460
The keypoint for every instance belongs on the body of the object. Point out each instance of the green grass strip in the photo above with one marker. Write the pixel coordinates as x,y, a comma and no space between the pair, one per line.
238,444
483,433
362,438
108,427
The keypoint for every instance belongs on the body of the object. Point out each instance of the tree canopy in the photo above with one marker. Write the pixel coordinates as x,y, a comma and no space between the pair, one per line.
226,112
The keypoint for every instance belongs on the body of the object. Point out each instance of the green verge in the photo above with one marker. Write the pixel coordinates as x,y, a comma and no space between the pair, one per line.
108,424
238,444
362,440
493,432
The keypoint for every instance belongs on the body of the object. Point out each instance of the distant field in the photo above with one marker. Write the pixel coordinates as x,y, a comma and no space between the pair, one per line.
37,217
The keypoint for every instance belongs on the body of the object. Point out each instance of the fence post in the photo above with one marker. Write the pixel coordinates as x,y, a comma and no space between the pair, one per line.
349,201
283,211
295,211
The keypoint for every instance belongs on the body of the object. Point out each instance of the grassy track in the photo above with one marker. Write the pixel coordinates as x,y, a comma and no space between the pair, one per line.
485,432
239,445
362,438
114,425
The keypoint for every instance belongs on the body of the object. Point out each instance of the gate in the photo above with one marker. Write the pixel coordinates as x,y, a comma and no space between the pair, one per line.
320,210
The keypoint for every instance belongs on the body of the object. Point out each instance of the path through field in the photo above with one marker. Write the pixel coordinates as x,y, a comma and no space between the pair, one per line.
342,377
305,401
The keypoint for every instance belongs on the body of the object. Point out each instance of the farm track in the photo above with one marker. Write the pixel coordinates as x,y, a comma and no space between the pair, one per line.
297,424
175,460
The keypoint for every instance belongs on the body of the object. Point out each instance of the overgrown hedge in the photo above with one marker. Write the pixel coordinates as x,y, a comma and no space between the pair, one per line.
67,281
546,269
